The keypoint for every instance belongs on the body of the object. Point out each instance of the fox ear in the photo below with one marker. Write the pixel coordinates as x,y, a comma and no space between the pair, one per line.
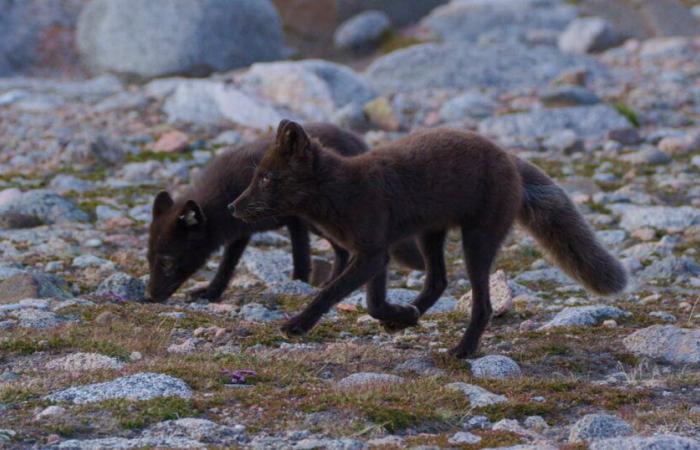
191,215
280,130
293,140
162,203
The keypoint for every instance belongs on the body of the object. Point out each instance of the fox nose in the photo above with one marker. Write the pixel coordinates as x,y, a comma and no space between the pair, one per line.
231,208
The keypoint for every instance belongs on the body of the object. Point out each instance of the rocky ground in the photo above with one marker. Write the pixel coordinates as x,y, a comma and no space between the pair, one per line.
84,363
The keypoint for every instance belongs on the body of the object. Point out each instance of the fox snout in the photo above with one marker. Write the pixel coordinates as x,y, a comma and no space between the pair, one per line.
238,209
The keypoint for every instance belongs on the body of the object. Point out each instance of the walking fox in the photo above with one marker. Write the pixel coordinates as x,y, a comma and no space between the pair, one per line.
185,231
421,185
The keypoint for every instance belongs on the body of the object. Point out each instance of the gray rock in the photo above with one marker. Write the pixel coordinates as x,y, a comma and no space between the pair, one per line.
351,116
80,362
25,27
162,37
588,35
568,96
672,219
361,379
64,184
592,427
658,442
210,102
671,267
140,386
472,104
476,21
228,137
330,444
255,312
201,430
404,297
22,285
363,31
122,287
495,367
583,316
500,67
126,443
647,155
314,89
663,315
36,318
419,366
625,136
477,395
43,207
500,292
103,212
464,438
271,266
585,121
85,261
666,343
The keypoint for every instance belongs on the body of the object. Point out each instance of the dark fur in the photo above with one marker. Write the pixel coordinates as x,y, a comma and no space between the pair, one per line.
420,185
176,249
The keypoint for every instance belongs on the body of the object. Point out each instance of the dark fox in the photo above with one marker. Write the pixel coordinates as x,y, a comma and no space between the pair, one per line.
421,185
185,231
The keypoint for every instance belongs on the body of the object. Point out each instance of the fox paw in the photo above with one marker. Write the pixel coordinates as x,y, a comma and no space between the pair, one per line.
408,317
204,293
463,352
296,327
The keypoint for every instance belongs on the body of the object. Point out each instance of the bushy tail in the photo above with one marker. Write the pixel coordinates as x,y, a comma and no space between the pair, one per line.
553,220
406,253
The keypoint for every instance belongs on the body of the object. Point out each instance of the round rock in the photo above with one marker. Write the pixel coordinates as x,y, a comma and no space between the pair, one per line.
495,367
163,37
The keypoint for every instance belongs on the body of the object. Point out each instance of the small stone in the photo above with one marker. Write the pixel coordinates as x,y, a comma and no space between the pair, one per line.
135,356
31,285
583,316
681,145
476,422
664,316
140,386
625,136
564,141
477,395
509,425
658,442
186,347
563,95
171,142
81,362
53,439
536,423
495,367
464,438
255,312
666,343
610,323
593,427
588,35
50,411
363,31
362,379
122,287
501,295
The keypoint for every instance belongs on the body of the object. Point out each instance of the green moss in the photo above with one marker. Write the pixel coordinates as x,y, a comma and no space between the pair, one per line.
393,41
628,113
16,394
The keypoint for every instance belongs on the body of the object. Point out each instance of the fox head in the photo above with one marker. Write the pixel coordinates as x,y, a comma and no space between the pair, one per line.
285,180
178,245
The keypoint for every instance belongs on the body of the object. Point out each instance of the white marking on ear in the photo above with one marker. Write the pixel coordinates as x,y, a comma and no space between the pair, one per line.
190,218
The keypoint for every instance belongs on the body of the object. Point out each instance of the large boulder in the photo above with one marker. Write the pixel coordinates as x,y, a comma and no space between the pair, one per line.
463,65
315,89
498,21
36,36
666,343
162,37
